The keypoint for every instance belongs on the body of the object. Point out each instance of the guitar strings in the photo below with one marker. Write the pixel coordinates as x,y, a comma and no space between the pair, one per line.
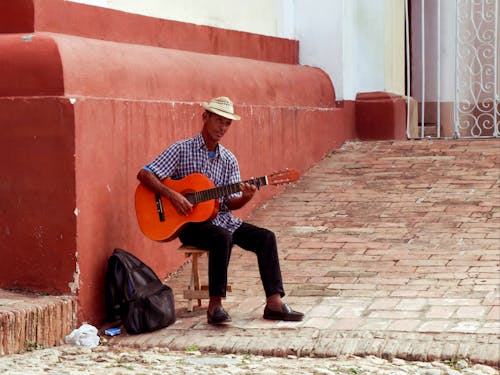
209,194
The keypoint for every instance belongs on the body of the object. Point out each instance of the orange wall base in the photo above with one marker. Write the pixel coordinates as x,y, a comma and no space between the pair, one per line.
266,140
37,190
81,116
380,116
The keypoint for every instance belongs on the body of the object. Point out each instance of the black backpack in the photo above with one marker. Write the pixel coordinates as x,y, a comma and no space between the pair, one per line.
135,295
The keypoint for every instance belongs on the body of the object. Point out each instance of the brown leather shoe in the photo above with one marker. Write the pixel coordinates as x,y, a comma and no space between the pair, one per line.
286,314
219,316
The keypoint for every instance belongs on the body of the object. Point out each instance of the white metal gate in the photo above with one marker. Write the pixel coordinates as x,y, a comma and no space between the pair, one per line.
453,68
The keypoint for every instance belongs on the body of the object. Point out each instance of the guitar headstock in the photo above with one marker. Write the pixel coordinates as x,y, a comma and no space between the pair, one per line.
283,176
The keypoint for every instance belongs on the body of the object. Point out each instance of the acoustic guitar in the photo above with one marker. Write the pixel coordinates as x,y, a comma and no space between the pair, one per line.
160,221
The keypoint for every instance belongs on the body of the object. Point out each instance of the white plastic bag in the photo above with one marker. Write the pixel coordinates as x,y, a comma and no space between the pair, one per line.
86,335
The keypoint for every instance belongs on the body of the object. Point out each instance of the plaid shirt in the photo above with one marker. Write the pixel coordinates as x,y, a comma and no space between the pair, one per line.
190,156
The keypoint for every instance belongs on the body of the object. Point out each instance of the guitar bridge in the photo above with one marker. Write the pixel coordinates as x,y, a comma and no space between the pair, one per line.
159,208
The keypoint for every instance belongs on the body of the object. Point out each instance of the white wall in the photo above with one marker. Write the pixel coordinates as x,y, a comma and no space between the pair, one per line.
394,46
257,16
320,32
359,43
101,3
363,46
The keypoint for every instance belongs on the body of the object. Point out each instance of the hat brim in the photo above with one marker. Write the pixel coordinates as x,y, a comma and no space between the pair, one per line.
230,116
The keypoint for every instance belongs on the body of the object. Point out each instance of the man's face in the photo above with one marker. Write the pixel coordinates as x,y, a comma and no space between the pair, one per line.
215,126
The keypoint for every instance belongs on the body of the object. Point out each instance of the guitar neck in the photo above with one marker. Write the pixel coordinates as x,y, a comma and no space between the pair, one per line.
222,191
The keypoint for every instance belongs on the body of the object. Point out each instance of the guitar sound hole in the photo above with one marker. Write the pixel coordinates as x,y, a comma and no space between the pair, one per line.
190,197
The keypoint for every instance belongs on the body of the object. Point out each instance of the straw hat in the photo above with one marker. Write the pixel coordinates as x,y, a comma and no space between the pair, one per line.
222,106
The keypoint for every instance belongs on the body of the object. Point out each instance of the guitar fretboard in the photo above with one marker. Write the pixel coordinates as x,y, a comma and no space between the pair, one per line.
209,194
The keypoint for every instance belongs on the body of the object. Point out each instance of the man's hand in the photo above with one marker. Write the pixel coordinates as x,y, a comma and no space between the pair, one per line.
247,190
247,193
181,204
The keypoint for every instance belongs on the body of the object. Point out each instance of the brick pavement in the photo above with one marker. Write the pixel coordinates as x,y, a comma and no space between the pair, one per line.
390,248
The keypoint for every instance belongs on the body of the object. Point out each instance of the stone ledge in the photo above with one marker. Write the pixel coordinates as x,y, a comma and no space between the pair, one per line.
29,321
316,343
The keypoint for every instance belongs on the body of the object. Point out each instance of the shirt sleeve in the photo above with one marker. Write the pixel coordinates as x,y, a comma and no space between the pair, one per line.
165,164
233,177
234,172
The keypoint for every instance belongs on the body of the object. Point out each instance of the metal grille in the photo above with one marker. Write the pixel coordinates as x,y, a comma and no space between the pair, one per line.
453,68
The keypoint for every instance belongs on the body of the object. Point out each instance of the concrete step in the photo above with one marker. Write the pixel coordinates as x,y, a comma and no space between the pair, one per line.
29,321
430,130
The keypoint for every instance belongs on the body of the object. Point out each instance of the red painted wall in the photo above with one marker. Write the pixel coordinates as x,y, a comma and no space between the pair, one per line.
37,191
380,116
30,66
70,18
89,113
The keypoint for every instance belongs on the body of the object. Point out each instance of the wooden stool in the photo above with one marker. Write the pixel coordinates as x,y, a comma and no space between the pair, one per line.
195,290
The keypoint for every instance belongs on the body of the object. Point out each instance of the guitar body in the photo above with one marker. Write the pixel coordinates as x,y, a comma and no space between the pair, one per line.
150,221
160,221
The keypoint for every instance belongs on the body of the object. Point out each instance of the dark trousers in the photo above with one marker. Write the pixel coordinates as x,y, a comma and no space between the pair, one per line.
220,241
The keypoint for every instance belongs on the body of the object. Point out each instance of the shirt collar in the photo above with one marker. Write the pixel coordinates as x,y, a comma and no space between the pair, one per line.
200,144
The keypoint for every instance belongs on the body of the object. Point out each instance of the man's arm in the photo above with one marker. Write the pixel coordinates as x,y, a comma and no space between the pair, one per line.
151,181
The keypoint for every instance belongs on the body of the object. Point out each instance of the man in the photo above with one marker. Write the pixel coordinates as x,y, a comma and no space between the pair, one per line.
204,154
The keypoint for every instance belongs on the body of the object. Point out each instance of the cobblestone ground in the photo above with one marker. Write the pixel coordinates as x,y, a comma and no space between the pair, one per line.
72,360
